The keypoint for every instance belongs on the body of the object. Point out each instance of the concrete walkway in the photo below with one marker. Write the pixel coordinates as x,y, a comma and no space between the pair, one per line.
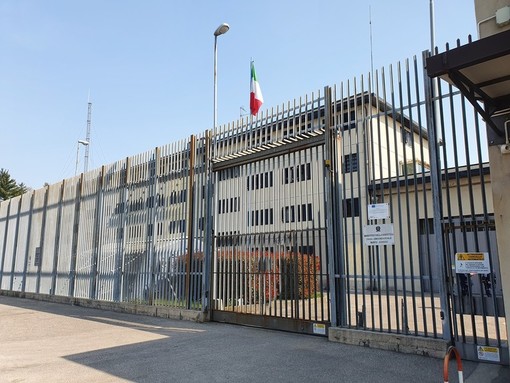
48,342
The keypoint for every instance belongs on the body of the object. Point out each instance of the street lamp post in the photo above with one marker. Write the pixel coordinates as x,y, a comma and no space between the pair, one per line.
222,29
84,143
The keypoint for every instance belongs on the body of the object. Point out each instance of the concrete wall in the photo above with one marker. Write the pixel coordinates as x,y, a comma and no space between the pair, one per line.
485,11
499,163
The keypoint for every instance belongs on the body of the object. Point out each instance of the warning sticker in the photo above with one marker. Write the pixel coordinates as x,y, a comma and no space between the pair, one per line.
488,353
466,263
470,256
319,328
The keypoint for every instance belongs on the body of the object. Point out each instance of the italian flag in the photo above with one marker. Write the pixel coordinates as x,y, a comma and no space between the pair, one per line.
256,99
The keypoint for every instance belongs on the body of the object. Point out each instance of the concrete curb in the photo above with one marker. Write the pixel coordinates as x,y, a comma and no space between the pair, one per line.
406,344
130,308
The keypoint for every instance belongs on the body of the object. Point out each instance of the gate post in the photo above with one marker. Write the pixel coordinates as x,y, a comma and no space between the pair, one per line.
333,229
189,220
208,226
435,180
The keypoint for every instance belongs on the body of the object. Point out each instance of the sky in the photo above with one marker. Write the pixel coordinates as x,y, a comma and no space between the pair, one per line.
147,67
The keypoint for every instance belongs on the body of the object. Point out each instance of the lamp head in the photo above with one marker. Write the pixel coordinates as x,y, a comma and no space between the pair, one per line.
83,142
222,29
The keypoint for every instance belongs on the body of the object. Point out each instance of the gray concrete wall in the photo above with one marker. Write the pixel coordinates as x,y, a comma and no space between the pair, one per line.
499,162
485,11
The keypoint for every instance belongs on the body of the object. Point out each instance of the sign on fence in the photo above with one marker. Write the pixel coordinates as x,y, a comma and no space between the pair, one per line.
466,263
375,235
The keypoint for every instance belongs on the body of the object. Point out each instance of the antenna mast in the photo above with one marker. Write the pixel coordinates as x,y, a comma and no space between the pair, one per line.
371,47
89,116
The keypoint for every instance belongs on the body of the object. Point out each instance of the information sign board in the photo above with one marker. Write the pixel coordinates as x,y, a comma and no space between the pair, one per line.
375,235
466,263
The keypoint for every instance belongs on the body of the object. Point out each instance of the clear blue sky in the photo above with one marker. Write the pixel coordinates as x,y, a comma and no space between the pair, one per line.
149,66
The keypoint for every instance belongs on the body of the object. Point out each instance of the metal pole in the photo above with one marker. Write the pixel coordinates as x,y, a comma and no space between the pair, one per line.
432,27
215,81
329,192
435,177
77,158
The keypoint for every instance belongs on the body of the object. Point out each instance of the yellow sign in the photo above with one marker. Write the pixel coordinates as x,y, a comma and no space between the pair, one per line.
488,349
470,256
488,353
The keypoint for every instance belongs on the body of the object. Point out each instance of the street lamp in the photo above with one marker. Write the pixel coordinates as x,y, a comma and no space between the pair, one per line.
222,29
80,142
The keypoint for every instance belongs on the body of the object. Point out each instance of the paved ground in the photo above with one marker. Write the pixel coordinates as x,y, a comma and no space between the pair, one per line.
47,342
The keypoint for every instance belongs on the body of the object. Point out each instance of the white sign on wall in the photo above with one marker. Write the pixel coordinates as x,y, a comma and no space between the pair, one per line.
379,211
375,235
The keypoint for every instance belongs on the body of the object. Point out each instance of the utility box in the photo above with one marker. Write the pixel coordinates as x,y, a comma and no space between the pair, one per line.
503,16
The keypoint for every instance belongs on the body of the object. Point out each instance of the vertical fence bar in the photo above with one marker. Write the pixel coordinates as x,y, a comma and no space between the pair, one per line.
96,244
189,231
330,187
436,201
76,229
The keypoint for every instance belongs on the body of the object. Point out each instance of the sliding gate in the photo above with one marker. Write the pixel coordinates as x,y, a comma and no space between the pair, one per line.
270,265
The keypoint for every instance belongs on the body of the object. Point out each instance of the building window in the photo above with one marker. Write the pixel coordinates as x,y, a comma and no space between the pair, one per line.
349,120
351,207
350,163
297,173
407,137
426,226
260,217
259,181
298,213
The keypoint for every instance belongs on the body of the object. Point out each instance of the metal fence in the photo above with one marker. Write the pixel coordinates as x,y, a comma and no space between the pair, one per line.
343,208
119,233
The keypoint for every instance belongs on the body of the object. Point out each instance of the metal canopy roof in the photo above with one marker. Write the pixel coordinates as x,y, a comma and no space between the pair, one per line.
481,71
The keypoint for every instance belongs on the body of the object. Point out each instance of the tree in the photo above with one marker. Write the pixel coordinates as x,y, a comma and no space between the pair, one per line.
8,186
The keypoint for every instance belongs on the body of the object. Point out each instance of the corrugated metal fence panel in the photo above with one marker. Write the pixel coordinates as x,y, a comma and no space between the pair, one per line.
89,211
20,252
136,257
109,261
49,240
34,252
197,225
170,244
10,242
66,234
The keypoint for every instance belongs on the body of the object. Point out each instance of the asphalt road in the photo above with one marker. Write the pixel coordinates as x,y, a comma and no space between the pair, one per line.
49,342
